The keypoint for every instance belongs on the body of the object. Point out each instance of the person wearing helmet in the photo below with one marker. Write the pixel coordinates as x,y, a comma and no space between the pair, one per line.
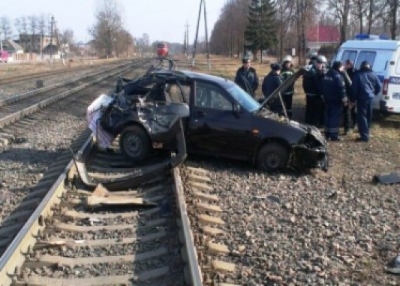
334,91
270,83
246,77
312,86
287,72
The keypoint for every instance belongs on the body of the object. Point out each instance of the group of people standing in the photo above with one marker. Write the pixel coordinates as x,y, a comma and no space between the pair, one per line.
334,95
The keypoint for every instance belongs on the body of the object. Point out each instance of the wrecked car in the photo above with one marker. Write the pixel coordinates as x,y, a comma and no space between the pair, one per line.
221,120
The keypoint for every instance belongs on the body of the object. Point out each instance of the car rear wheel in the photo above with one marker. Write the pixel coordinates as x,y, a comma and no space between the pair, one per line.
272,157
134,143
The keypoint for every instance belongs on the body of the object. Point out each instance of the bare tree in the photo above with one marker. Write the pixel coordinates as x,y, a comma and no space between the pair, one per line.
392,8
107,27
304,14
5,27
227,35
21,25
285,13
341,11
33,29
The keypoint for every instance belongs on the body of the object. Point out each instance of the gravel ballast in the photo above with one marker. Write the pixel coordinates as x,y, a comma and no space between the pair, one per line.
316,228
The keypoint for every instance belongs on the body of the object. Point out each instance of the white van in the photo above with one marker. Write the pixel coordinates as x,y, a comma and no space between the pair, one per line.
384,57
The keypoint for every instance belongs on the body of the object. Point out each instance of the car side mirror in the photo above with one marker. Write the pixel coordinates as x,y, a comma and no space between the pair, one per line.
236,108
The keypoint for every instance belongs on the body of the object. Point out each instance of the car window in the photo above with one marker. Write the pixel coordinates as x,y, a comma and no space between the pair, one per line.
365,56
175,93
210,96
348,55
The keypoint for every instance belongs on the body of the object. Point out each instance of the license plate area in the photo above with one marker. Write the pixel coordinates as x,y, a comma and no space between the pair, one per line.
396,95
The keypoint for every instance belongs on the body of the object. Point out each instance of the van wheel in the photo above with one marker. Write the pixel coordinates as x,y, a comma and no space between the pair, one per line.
272,157
134,143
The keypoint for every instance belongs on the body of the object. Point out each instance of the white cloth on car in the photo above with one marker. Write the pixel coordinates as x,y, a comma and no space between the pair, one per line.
93,115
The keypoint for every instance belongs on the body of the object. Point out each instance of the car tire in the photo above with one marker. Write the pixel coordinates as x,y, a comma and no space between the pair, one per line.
134,143
272,157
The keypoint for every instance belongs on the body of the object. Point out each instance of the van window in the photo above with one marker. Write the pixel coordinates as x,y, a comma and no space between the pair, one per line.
382,61
348,55
365,56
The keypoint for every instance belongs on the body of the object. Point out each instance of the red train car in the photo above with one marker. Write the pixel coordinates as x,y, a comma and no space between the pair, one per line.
162,50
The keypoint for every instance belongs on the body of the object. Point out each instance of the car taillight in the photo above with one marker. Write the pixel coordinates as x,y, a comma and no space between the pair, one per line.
385,87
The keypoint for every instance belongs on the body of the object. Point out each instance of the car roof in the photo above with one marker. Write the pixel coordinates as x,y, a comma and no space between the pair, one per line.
371,44
197,76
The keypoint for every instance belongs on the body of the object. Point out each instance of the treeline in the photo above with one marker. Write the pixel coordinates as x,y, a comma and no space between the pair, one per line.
279,25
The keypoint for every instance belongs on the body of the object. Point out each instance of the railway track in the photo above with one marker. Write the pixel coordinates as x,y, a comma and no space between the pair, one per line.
165,230
76,236
22,105
24,77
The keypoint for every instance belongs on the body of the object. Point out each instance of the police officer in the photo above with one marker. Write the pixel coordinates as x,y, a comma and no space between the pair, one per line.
312,85
270,83
286,72
349,111
365,86
334,90
246,77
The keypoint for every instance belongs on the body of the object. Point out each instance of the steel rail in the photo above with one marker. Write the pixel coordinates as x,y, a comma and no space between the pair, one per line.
31,93
35,107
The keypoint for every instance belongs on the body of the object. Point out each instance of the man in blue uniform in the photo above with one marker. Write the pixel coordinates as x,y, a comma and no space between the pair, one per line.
365,86
246,78
349,111
270,83
334,90
312,85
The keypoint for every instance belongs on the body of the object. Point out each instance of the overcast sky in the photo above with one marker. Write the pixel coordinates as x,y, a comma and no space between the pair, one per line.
160,19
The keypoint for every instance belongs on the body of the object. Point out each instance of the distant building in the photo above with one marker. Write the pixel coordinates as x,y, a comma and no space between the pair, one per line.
35,43
11,47
321,35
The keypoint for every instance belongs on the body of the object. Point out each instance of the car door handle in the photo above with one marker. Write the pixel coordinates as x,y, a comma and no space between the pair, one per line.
200,114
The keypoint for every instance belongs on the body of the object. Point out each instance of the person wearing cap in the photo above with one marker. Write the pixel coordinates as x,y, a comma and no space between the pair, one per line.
286,72
312,86
270,83
349,111
246,77
364,88
334,91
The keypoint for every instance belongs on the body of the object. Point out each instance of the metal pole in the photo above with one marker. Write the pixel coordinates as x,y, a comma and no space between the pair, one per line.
197,33
207,48
1,40
51,38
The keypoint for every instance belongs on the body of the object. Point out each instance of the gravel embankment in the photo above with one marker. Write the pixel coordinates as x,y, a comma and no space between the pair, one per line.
335,228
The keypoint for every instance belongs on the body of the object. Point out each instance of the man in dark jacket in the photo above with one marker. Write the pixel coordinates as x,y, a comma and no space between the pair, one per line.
246,78
349,111
287,72
312,85
334,91
270,83
365,86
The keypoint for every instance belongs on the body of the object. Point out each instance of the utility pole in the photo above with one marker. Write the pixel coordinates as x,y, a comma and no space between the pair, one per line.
186,40
51,38
197,34
205,26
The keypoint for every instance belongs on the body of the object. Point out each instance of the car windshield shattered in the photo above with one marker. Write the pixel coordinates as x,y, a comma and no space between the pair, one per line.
243,98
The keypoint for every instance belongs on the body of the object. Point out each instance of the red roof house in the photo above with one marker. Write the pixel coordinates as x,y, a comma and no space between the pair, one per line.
317,36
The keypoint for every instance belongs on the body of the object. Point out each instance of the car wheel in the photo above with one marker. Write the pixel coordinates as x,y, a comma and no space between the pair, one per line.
272,156
134,143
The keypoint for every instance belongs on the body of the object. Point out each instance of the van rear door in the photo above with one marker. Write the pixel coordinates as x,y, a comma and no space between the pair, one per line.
391,91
